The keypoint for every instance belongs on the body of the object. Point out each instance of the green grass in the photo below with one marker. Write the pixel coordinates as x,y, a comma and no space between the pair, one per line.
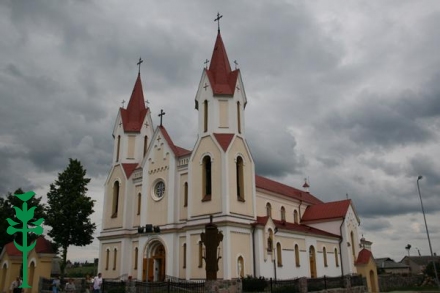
80,272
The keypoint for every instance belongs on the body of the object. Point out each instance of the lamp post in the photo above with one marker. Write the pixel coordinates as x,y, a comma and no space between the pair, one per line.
427,233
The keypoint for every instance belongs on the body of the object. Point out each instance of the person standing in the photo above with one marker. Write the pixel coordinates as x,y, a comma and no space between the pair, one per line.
15,286
56,285
97,283
70,286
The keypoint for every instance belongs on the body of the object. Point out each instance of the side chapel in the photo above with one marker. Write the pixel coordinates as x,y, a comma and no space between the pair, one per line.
270,229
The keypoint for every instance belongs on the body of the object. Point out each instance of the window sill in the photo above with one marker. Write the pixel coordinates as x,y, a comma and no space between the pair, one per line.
114,216
241,199
206,198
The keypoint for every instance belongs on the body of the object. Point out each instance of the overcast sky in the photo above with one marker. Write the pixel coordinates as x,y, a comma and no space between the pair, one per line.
345,93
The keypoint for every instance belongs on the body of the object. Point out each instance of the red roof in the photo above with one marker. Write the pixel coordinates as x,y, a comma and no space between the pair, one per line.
178,151
43,246
129,168
222,79
300,228
364,257
224,139
270,185
134,115
326,211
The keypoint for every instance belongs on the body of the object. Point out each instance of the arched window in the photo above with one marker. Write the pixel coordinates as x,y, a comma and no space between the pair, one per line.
118,146
115,205
270,241
139,203
207,178
336,257
268,210
115,255
295,216
239,178
200,254
238,118
240,267
297,260
185,194
145,145
136,254
283,214
184,255
279,256
324,254
352,245
205,117
107,258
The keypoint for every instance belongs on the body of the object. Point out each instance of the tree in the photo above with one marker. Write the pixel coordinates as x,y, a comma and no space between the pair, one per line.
69,210
429,270
7,204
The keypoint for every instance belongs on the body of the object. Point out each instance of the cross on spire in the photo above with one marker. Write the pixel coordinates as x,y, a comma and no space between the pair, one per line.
236,64
205,86
206,63
218,19
160,115
139,64
123,103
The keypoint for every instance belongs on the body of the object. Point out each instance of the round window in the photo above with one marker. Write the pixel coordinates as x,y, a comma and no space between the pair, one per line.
159,189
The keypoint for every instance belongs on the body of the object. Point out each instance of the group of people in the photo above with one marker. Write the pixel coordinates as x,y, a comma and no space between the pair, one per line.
15,286
92,285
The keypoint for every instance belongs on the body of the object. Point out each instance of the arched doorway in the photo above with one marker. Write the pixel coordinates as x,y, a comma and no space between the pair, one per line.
312,260
373,281
154,262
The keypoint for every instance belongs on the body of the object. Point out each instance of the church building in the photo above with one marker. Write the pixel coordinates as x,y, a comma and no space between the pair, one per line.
159,197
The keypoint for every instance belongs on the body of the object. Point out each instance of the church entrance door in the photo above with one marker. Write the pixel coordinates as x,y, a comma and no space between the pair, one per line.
154,263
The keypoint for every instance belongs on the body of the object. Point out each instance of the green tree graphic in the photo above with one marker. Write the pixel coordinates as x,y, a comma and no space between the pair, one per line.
25,215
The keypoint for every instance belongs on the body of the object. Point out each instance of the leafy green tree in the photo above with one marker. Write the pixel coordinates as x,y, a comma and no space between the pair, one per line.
69,210
7,204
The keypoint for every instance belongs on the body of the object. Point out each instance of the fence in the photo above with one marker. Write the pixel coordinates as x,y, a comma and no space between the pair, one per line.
302,284
169,286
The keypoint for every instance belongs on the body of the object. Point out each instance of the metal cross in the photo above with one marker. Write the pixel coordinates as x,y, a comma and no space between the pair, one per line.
139,64
160,115
238,89
120,123
206,86
146,124
236,64
206,63
123,103
218,19
158,139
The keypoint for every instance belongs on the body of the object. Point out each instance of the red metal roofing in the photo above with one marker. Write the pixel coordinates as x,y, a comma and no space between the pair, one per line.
129,168
224,139
326,211
222,79
178,151
364,257
300,228
270,185
43,246
134,115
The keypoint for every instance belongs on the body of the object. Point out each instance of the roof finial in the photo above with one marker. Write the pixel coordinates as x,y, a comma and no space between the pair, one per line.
160,115
218,19
139,64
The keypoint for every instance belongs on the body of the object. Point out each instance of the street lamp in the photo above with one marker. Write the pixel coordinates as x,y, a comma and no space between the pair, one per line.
427,233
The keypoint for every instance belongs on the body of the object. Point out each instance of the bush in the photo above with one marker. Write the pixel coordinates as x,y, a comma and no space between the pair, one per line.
251,284
429,270
284,289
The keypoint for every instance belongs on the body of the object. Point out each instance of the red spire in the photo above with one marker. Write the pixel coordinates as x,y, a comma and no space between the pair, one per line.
134,115
221,77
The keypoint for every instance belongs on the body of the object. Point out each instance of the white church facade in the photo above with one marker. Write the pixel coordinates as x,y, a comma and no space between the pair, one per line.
269,229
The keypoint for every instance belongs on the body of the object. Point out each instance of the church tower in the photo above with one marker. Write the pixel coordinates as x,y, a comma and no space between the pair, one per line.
132,133
221,166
